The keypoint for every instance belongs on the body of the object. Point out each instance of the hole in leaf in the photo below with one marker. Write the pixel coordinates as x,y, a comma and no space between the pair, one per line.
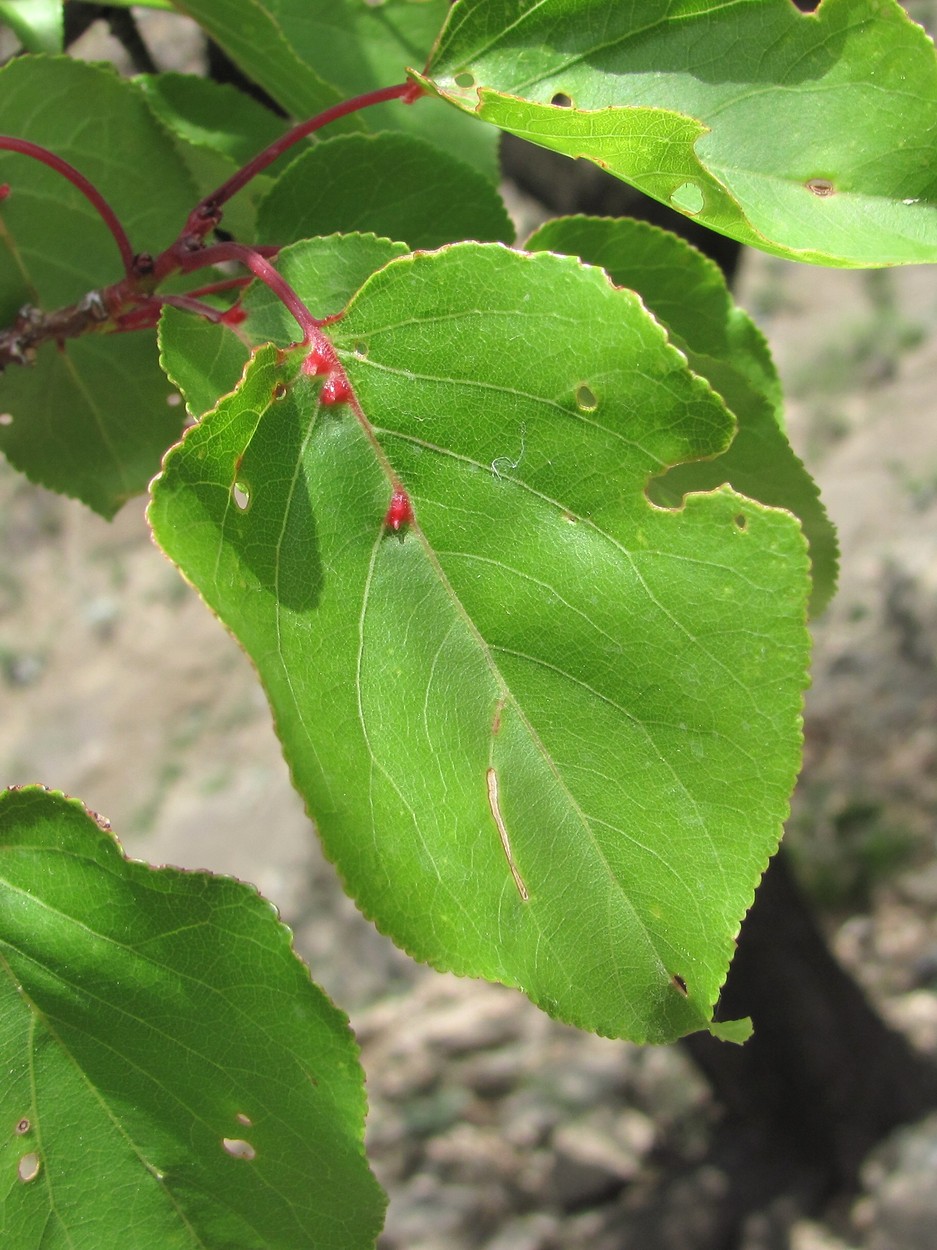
678,983
238,1148
240,493
569,518
244,1119
361,351
465,79
23,1126
562,101
741,521
279,391
28,1168
585,399
173,399
6,418
688,198
821,187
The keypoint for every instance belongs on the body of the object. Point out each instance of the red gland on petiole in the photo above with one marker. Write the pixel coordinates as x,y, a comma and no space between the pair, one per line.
317,363
335,390
233,316
400,512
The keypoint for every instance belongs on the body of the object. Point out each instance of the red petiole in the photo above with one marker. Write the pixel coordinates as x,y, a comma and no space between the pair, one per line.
78,180
132,302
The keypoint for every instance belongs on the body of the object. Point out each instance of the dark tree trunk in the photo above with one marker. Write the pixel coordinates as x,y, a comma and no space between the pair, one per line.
823,1073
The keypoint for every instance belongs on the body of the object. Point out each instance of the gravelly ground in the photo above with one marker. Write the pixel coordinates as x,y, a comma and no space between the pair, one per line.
492,1126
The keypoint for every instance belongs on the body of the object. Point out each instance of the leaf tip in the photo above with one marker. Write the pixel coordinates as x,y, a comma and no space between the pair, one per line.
735,1031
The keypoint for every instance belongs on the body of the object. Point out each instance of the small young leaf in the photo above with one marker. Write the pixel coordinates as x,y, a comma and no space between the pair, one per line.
172,1077
688,294
547,730
393,184
808,135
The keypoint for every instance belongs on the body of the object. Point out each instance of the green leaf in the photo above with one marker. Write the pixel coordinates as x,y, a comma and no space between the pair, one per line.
310,54
548,731
211,115
393,184
90,420
688,294
172,1076
38,24
206,360
813,136
218,129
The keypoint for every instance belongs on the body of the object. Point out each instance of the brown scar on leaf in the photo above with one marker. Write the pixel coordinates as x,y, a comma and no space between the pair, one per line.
496,721
492,779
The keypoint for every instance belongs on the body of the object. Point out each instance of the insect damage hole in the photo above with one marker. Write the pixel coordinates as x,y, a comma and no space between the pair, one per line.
492,780
741,521
679,984
238,1148
23,1126
586,400
28,1168
821,187
241,494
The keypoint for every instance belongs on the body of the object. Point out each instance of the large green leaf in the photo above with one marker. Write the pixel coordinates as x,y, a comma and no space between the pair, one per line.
71,428
309,54
547,731
393,184
813,136
688,293
172,1077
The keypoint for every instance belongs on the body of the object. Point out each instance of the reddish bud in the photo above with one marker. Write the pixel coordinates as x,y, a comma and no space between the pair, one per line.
400,511
4,190
335,389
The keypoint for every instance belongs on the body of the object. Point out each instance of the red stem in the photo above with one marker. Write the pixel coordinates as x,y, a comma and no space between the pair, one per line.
88,190
205,216
262,269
